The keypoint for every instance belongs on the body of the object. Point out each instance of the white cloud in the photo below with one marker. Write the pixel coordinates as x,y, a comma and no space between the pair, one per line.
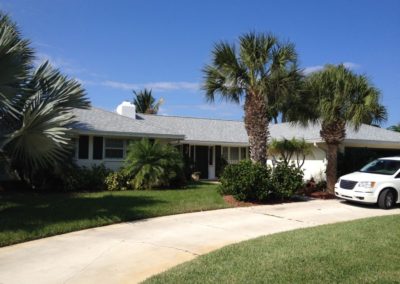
351,65
59,63
155,86
311,69
119,85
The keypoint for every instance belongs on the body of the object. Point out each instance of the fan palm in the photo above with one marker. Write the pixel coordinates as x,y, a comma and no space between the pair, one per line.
258,73
337,97
145,102
35,106
15,61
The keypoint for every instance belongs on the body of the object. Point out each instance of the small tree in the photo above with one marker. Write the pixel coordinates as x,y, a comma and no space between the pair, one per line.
152,164
289,150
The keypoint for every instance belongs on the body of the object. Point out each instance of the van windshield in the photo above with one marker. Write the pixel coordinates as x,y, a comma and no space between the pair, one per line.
382,167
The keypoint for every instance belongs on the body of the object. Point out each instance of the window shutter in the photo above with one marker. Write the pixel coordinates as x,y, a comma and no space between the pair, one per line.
97,148
83,147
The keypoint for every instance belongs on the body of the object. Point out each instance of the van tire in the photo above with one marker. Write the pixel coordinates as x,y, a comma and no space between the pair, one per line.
386,199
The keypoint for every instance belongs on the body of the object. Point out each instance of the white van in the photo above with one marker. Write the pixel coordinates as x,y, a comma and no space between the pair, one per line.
377,182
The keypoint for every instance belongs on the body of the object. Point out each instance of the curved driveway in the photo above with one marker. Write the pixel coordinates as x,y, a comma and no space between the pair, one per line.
131,252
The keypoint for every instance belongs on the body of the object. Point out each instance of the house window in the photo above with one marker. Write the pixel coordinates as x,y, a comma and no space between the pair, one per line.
114,149
243,153
234,154
224,153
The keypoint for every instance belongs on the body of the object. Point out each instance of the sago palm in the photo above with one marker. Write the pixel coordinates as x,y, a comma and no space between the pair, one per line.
337,98
255,72
35,112
145,102
152,164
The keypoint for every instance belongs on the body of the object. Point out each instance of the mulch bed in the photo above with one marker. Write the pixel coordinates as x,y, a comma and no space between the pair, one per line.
236,203
322,195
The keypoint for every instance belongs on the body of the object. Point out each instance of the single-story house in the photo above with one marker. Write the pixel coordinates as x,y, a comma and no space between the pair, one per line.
102,137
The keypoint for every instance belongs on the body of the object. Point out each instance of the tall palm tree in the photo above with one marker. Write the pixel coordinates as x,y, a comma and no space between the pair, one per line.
336,97
145,102
35,108
255,72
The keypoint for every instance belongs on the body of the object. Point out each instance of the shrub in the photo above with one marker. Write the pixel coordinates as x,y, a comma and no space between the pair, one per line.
246,181
286,180
85,179
117,180
152,164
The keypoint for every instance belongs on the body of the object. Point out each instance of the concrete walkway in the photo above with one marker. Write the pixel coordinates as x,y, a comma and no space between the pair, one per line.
131,252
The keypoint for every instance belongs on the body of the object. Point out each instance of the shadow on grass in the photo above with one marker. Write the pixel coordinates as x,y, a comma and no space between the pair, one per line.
33,213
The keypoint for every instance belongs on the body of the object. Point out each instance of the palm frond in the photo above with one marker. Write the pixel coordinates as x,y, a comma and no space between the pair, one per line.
16,62
41,133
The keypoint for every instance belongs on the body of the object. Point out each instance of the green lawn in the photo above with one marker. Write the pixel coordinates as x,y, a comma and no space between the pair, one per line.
27,216
363,251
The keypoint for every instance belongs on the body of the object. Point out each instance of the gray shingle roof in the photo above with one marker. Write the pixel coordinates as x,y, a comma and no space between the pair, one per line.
210,130
201,129
96,120
311,133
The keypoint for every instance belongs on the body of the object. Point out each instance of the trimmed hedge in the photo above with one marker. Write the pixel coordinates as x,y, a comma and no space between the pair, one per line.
286,180
248,181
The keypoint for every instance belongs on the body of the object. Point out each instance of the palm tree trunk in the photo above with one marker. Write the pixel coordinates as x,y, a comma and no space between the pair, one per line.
333,133
256,123
331,168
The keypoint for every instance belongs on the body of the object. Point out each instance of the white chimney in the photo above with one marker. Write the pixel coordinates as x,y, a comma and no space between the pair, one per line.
127,109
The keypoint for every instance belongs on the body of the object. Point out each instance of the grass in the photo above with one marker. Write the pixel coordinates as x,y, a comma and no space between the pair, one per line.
363,251
28,216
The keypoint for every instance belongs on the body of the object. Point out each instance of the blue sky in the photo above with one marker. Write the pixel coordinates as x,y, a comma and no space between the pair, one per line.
116,46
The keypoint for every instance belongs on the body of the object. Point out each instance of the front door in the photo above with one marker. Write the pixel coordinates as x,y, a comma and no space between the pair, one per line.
201,161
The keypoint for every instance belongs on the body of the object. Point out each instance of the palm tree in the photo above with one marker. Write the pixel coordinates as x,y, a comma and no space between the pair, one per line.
152,164
255,72
284,93
336,97
35,108
145,102
395,127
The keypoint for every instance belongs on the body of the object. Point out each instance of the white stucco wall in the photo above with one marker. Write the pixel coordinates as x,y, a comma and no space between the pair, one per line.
314,164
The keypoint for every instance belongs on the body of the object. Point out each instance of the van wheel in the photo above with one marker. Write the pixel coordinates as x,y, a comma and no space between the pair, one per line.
386,199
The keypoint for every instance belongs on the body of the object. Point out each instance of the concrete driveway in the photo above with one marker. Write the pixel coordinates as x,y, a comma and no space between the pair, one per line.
131,252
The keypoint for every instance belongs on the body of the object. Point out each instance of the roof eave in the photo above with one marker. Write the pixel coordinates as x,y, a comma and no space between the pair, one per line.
128,134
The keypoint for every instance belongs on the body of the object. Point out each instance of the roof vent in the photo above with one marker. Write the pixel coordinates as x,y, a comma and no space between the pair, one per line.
127,109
